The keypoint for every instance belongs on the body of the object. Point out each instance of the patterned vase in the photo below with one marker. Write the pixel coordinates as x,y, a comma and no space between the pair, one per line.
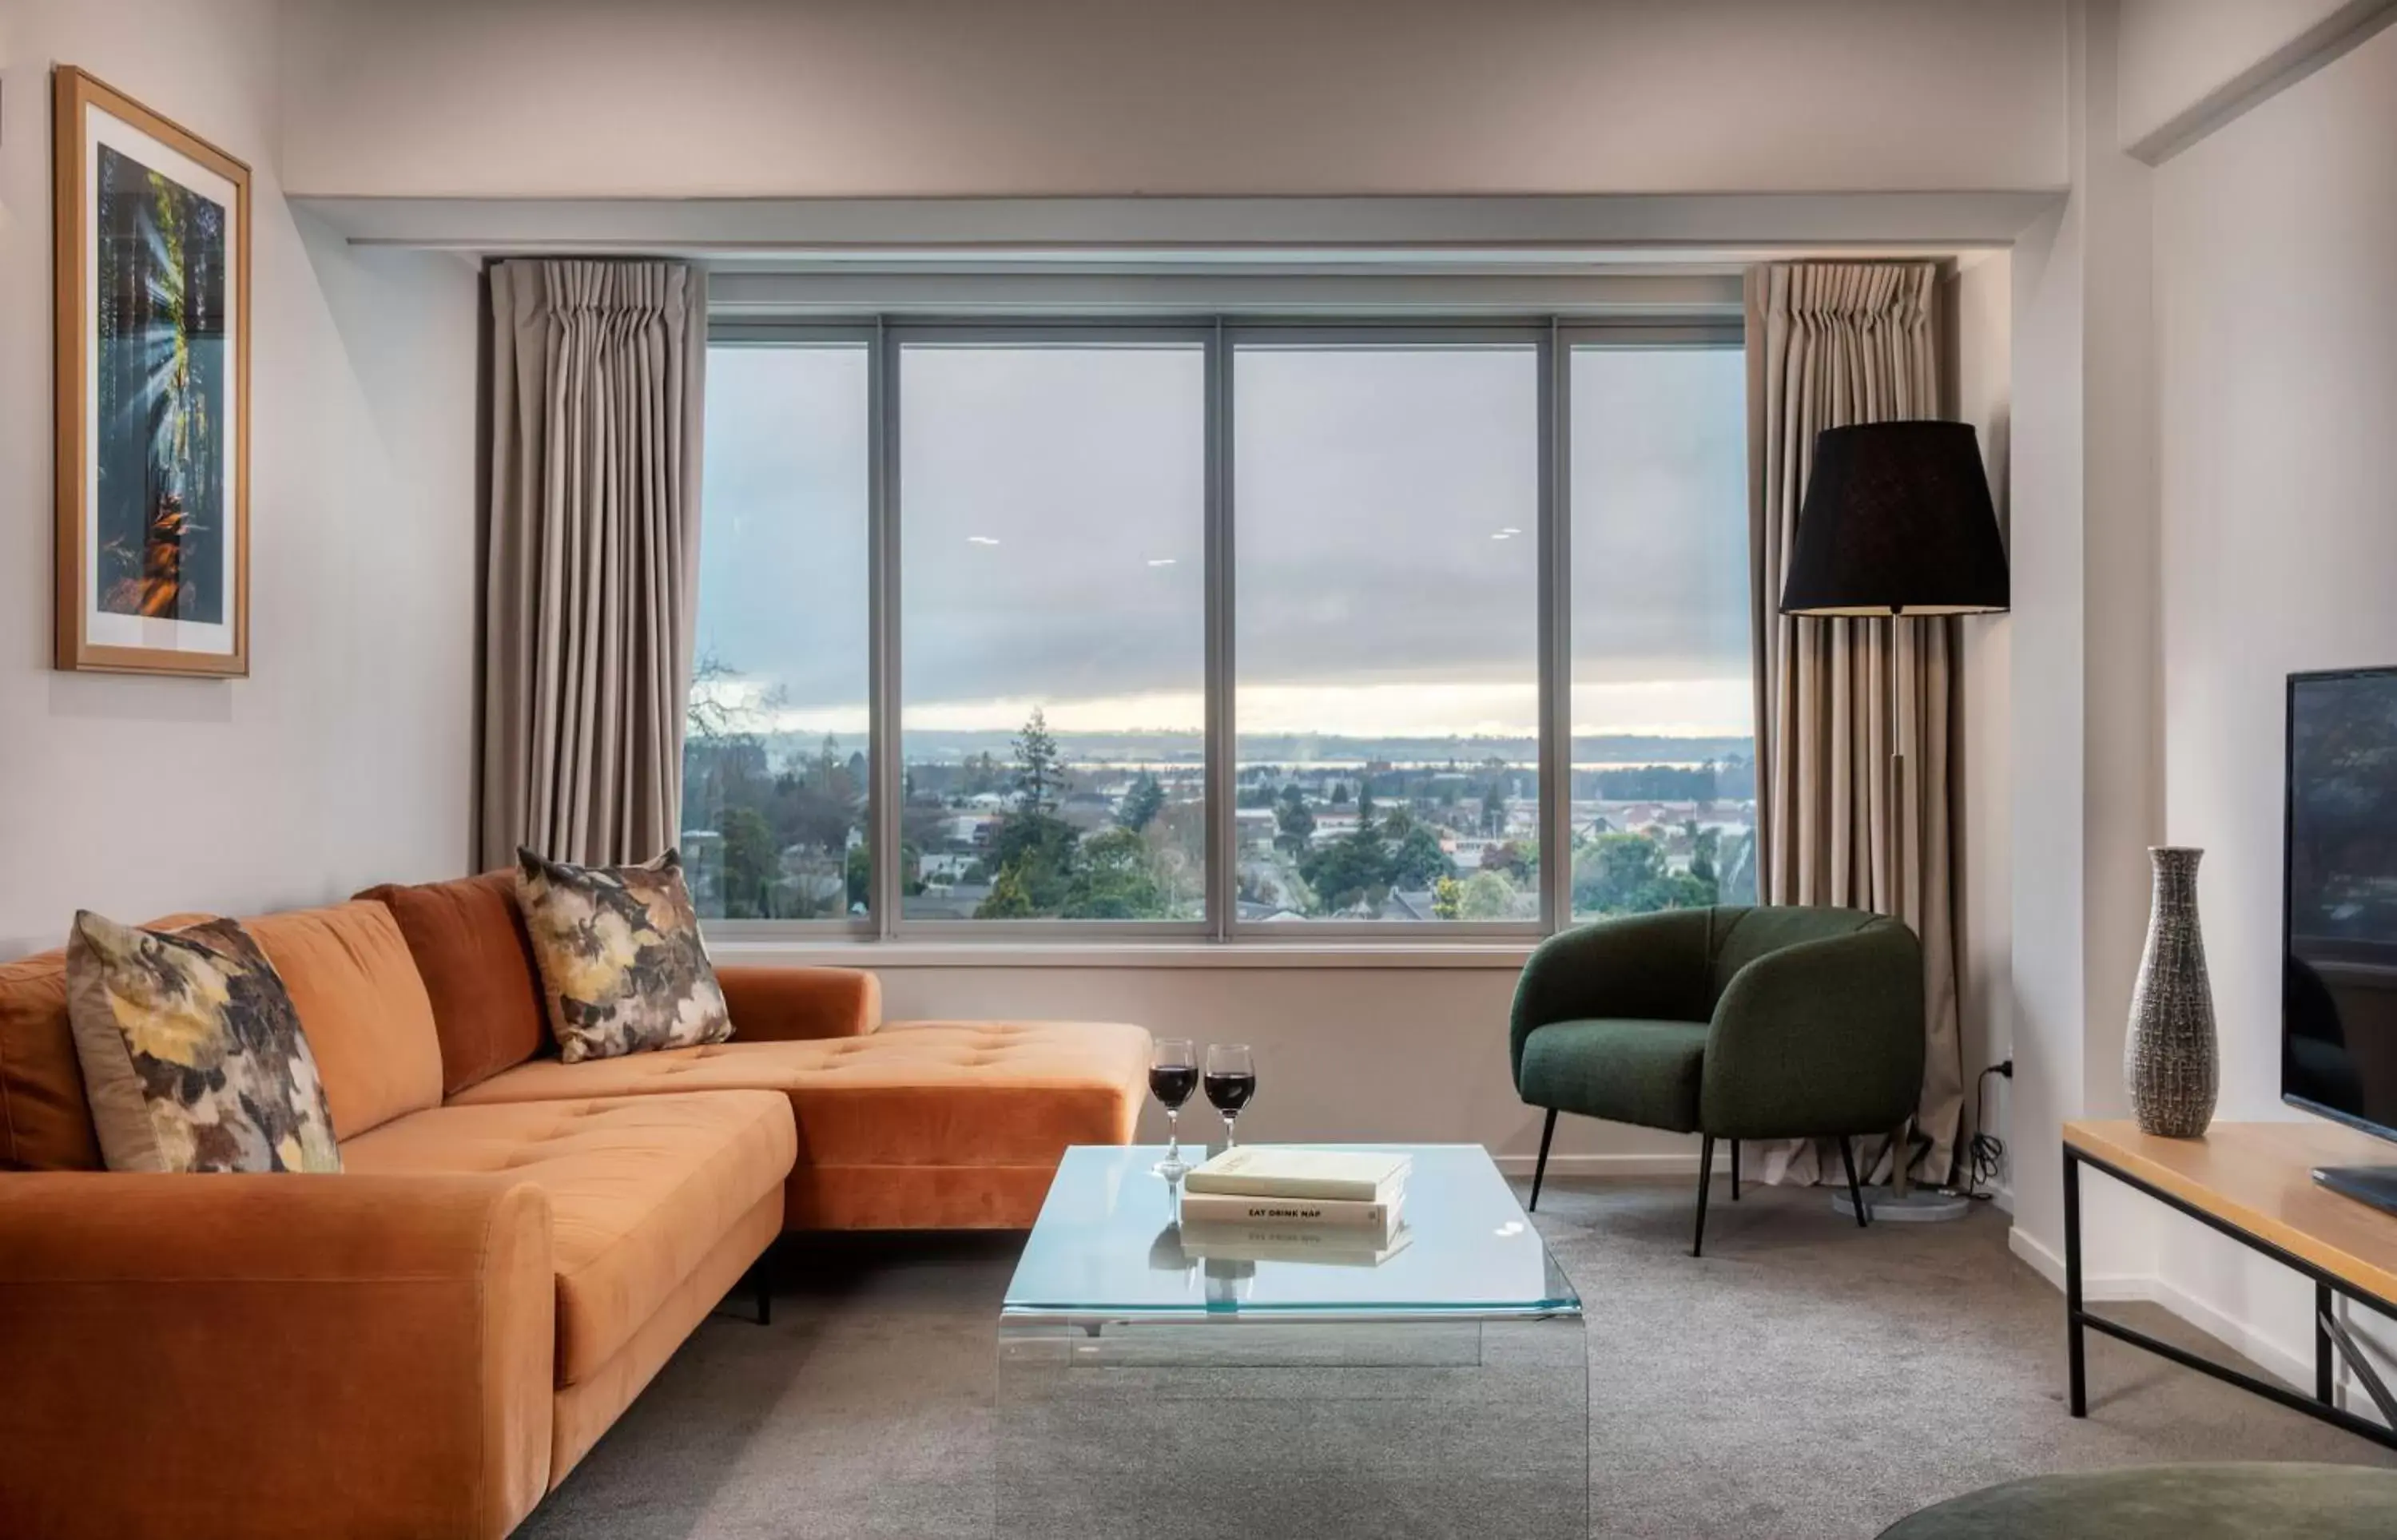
2170,1059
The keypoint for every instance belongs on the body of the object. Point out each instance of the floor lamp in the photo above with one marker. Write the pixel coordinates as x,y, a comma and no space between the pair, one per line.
1897,522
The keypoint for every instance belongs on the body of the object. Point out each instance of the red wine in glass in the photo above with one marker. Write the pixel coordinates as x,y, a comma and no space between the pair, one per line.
1172,1075
1230,1080
1171,1084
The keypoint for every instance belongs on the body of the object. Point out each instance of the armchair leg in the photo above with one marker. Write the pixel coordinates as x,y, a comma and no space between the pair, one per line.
1706,1169
1547,1132
1735,1171
1848,1159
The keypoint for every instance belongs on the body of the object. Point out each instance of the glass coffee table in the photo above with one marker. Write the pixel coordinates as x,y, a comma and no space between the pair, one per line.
1166,1387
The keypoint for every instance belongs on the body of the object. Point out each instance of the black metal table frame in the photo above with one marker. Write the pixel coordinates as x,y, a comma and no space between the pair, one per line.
2321,1405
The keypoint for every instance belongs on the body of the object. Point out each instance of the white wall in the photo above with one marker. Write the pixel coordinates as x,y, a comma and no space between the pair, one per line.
343,758
1979,301
2186,61
2276,288
1343,1053
2086,792
620,98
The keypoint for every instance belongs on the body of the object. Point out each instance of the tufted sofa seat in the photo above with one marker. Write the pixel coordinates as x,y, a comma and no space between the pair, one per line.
641,1193
949,1124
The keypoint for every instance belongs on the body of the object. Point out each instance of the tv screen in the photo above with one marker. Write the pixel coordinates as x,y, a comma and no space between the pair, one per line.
2338,990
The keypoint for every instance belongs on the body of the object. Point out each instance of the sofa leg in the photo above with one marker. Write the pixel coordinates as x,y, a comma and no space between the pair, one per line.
1706,1169
762,1279
1855,1196
1735,1171
1547,1132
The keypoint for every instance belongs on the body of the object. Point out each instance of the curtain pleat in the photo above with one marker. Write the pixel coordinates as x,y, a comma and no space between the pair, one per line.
1829,344
592,556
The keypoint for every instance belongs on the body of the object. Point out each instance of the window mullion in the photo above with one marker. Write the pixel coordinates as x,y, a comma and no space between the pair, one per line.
1556,638
1221,747
889,769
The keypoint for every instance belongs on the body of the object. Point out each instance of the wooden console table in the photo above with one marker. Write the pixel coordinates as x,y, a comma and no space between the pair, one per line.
2254,1183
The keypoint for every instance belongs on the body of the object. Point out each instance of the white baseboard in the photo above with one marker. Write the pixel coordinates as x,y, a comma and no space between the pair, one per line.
2294,1369
1608,1166
2110,1288
2291,1365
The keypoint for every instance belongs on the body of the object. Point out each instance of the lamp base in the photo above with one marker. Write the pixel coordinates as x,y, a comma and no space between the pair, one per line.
1920,1205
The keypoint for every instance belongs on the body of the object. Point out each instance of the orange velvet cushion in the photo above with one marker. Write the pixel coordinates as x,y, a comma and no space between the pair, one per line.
640,1190
45,1121
924,1094
470,947
44,1124
363,1007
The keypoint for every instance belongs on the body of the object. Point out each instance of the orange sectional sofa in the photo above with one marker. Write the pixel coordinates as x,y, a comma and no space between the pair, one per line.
427,1343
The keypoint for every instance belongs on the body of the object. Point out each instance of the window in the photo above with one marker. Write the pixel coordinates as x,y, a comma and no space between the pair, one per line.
775,755
1053,631
1663,753
1386,585
1220,629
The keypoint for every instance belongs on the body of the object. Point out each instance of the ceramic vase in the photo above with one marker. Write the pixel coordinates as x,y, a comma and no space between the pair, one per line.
2170,1059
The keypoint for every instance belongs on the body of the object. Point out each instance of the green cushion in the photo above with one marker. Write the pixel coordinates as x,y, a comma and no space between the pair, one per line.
1624,1069
1743,935
2175,1502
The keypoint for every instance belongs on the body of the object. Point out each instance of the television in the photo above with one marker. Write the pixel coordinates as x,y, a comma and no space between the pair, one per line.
2338,912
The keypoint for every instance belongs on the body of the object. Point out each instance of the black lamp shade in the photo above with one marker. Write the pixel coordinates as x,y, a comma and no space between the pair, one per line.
1897,521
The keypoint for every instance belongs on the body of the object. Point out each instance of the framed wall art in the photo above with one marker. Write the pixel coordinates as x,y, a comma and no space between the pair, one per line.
153,411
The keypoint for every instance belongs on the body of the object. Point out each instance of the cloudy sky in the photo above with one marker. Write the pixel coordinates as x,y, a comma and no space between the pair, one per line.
1051,507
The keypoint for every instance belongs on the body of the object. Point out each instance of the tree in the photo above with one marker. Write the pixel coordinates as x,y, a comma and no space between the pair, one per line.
1625,874
1143,802
1294,820
1365,816
858,876
749,863
1416,860
1006,900
1447,898
1038,774
1036,850
1488,896
1508,856
1339,793
1347,872
1114,878
1494,809
1704,843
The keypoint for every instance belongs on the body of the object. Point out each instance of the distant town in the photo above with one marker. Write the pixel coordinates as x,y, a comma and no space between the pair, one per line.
1041,825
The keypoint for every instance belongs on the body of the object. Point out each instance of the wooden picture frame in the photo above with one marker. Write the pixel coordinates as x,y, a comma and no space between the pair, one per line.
152,342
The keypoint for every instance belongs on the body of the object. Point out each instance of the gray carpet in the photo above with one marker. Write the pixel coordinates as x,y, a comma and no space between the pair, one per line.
1804,1379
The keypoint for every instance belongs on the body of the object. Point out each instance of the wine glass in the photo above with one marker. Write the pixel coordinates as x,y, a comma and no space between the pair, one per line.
1172,1075
1231,1080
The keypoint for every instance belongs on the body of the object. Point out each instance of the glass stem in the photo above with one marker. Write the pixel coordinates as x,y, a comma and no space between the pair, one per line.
1231,1135
1174,1132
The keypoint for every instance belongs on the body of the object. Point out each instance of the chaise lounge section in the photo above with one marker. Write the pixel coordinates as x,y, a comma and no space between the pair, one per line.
909,1126
427,1343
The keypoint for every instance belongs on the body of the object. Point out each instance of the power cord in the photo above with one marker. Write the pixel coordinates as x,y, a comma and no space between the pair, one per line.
1985,1153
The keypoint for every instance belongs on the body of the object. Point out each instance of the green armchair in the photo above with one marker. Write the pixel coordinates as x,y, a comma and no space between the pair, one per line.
1774,1023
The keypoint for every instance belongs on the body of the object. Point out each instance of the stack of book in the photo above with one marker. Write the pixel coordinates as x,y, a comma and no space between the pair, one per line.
1264,1202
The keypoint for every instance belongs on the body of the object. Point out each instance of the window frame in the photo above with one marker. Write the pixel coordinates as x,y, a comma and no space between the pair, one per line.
1552,338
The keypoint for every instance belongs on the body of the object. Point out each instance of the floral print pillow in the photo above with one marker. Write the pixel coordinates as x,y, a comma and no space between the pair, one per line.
620,959
193,1058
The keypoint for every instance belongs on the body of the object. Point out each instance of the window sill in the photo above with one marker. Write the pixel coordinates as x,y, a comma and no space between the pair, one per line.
1507,956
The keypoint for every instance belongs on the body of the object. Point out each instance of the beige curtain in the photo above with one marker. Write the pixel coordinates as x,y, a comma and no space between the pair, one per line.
1831,344
591,555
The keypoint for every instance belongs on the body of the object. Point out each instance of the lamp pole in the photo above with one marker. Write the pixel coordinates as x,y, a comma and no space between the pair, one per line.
1901,1143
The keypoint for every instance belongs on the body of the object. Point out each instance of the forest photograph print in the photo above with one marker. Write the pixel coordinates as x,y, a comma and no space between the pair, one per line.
153,358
